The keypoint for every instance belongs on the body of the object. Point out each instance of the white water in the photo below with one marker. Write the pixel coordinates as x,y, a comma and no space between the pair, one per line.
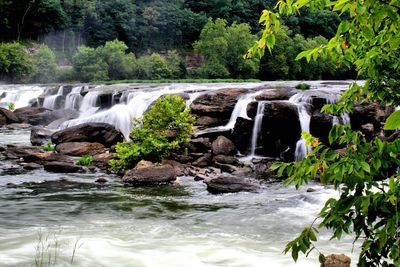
74,98
134,104
115,225
20,95
301,100
240,109
50,101
257,128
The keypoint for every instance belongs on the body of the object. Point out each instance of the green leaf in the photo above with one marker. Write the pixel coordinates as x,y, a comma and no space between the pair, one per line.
393,122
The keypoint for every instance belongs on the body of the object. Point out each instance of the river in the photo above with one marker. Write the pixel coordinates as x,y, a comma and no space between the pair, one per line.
54,219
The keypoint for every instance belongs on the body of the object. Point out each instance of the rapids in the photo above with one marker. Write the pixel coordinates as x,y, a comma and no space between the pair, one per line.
46,216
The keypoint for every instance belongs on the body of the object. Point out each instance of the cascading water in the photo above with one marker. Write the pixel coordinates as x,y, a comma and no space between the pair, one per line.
20,96
89,104
74,98
257,128
240,109
301,100
120,115
50,101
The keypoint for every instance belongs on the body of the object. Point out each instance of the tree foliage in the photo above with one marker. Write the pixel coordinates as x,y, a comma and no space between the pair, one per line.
223,48
45,65
164,127
15,62
366,173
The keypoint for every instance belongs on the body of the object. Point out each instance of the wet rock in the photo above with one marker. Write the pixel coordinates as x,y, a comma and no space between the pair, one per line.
280,129
217,104
368,113
203,161
31,166
263,170
276,94
223,146
43,157
226,167
311,190
16,152
199,145
226,160
150,175
241,135
101,160
8,117
144,164
320,125
40,135
206,121
102,133
231,184
243,171
101,180
62,167
178,167
335,260
26,114
43,116
80,148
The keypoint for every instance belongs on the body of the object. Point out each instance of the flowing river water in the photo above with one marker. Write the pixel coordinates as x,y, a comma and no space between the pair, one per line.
51,219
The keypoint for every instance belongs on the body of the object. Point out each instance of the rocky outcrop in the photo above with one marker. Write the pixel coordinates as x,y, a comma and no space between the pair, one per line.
150,175
80,148
102,133
231,184
276,94
369,113
336,261
217,106
7,117
241,135
101,160
223,146
40,135
43,116
280,129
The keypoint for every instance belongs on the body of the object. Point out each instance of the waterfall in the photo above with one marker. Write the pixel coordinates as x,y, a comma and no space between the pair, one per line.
74,98
89,104
120,115
21,96
301,100
50,101
257,128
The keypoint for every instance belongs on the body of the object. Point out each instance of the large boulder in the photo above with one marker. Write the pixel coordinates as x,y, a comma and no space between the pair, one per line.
7,117
223,146
280,129
216,104
102,133
80,148
320,124
150,175
231,184
241,134
43,116
368,113
62,167
40,135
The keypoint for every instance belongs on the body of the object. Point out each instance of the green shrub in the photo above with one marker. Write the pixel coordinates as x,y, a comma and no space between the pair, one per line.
46,66
85,161
303,86
16,64
49,147
163,128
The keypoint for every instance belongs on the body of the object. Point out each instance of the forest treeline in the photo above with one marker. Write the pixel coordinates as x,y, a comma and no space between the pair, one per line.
156,39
